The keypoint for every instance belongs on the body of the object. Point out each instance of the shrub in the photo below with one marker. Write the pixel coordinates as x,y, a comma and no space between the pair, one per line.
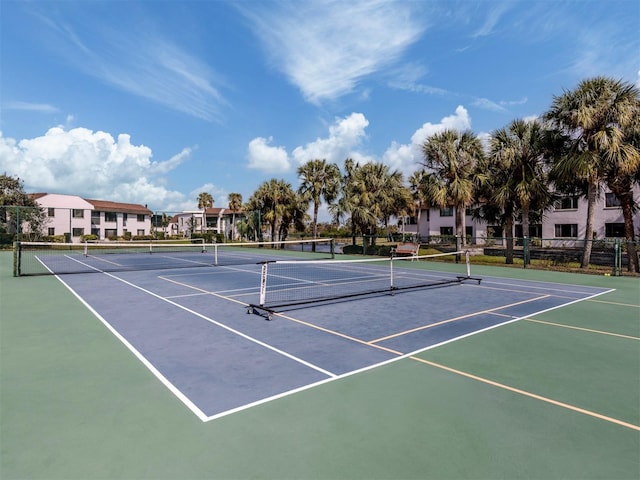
88,238
352,249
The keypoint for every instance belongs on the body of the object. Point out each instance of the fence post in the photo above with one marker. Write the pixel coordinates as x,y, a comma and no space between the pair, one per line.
617,258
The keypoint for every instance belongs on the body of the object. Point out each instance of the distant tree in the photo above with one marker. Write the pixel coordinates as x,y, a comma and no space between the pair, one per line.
205,200
417,187
235,204
319,181
270,202
18,210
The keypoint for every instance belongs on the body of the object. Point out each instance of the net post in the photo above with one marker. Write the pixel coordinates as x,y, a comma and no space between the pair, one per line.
333,247
263,284
16,258
457,248
215,254
467,256
391,273
86,249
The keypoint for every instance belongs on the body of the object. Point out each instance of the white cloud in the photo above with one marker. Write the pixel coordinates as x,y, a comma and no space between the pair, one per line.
140,62
325,48
30,106
90,164
266,158
407,157
344,136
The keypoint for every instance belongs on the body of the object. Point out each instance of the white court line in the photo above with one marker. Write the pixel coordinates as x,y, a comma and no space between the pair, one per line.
331,377
199,413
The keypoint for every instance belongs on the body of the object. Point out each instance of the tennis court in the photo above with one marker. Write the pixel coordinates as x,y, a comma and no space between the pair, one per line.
174,372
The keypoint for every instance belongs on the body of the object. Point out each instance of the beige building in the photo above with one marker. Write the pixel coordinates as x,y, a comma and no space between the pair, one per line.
74,217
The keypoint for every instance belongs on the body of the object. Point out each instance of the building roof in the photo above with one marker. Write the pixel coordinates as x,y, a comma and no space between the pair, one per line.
104,205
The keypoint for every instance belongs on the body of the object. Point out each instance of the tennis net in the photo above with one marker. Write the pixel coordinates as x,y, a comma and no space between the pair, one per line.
41,258
295,283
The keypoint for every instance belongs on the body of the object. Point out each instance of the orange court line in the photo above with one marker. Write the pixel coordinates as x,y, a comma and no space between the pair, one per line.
287,317
616,303
473,314
333,332
601,332
530,395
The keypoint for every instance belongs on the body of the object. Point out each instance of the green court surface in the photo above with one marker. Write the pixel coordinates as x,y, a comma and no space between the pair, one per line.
556,395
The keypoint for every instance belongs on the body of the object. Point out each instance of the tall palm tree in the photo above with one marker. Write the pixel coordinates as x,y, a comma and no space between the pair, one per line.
593,117
205,200
271,200
373,193
620,177
345,206
294,214
417,182
319,181
451,157
518,151
235,204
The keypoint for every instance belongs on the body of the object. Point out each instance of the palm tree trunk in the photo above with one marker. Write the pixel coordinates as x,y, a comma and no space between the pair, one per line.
460,227
315,224
627,212
588,234
508,233
525,232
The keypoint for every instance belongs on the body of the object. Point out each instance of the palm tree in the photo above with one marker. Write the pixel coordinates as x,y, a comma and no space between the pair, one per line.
374,193
343,207
319,181
205,200
270,201
235,204
620,178
416,186
593,117
518,152
294,214
451,158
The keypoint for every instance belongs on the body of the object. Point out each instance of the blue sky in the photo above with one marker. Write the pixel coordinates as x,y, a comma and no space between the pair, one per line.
153,102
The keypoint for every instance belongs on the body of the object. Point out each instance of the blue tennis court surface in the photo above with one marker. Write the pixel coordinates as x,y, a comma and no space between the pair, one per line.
190,327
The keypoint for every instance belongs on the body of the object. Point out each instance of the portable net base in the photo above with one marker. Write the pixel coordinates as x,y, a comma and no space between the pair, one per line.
291,284
42,258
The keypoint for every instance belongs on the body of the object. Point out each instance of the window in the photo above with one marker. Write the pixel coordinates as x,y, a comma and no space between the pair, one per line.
140,217
140,232
566,230
614,229
110,232
446,231
78,232
110,216
95,218
494,231
468,231
534,231
567,203
611,201
446,212
51,212
77,213
51,231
